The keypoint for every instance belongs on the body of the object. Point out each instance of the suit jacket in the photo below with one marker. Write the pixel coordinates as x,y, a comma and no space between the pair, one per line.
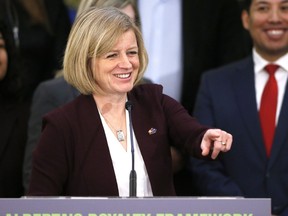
212,36
73,159
227,100
48,96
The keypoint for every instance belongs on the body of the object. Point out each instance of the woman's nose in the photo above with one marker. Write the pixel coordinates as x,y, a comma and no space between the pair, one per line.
124,62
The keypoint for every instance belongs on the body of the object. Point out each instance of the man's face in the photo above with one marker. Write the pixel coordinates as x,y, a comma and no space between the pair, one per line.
267,22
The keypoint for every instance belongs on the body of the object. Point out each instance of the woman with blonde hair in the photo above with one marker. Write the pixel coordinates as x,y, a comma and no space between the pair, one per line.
87,146
56,92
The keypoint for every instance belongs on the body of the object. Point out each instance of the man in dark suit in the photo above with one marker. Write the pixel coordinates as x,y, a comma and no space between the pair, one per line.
231,98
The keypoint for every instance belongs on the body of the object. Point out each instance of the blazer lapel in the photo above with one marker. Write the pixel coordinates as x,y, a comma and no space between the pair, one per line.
246,98
94,141
141,127
146,142
281,129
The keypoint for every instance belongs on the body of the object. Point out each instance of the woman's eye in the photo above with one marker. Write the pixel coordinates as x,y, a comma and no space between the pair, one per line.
132,53
113,55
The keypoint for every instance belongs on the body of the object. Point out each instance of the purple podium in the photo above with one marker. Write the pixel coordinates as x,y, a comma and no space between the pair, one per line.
156,206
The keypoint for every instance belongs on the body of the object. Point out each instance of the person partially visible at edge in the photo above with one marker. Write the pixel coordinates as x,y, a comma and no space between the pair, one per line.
249,170
85,147
56,92
40,31
13,116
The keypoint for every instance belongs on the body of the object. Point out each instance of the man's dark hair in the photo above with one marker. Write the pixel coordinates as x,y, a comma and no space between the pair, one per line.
247,4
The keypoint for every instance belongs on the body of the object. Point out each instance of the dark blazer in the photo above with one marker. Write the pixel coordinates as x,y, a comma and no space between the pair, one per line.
212,36
227,100
73,159
48,96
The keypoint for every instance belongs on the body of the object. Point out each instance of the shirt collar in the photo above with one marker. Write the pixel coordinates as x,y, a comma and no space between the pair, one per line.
260,63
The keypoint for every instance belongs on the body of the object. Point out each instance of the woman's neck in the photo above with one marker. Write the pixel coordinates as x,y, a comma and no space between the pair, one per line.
108,105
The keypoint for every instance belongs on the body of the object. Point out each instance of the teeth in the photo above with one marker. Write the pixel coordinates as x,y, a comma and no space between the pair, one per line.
275,32
123,76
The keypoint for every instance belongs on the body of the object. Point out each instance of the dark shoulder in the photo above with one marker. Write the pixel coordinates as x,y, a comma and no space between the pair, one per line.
146,95
57,90
53,83
53,93
231,68
148,89
81,104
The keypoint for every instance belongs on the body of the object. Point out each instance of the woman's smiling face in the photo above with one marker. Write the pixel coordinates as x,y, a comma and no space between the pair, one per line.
117,70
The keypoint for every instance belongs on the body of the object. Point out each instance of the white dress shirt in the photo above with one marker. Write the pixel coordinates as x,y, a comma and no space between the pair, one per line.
122,162
261,77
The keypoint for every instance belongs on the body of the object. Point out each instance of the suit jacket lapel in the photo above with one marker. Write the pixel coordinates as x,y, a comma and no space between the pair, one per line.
95,141
246,97
281,129
141,127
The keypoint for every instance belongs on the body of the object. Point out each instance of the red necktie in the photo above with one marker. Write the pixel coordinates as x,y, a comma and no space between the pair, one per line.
268,108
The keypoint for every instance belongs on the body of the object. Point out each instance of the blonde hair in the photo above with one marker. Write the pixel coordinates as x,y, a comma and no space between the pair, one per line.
93,34
86,4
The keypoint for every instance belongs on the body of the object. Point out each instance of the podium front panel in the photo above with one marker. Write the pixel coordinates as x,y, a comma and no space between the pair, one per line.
156,206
